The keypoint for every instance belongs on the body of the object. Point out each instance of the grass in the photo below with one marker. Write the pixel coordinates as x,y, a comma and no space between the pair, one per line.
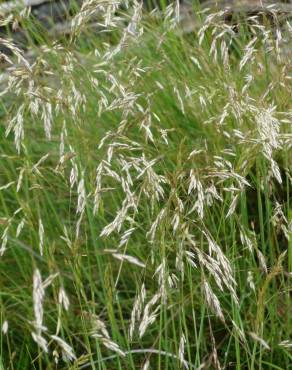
146,199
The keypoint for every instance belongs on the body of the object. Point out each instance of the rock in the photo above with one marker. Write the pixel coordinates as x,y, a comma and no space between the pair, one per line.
55,15
234,10
48,13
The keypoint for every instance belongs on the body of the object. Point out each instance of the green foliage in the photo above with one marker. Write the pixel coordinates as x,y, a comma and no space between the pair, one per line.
148,178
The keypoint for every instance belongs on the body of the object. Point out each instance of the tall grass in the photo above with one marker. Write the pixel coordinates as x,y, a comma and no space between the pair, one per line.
146,196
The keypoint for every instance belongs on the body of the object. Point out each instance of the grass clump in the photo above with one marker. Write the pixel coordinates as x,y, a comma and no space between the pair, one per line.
146,197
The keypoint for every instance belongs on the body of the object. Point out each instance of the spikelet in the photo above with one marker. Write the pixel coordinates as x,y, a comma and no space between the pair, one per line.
100,332
260,340
38,298
181,352
149,316
137,310
63,299
67,351
5,327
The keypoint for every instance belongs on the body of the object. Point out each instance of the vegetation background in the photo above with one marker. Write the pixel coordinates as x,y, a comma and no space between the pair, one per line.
145,190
